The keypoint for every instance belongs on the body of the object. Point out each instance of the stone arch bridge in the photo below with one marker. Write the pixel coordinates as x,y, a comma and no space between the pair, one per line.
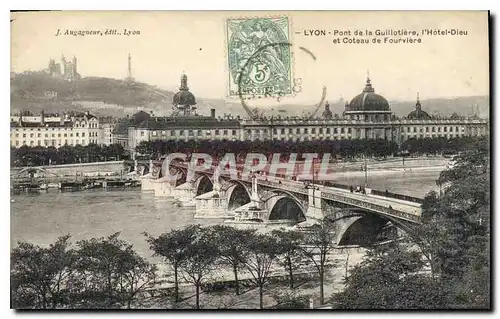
359,218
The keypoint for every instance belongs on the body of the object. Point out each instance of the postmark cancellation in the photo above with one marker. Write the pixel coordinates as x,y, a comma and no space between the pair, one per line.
259,57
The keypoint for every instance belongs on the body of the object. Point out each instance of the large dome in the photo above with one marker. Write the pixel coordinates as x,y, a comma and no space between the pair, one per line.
184,98
418,113
368,100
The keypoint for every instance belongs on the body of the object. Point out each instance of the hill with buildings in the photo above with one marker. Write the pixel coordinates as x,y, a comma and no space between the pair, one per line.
35,91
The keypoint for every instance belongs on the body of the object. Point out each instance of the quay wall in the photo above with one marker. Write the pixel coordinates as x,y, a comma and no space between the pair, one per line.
115,167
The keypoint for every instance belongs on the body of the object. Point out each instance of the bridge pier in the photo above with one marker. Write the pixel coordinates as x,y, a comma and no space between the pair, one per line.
163,187
314,209
147,184
255,210
185,193
213,204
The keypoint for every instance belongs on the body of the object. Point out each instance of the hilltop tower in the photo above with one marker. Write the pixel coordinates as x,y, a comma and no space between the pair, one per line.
129,77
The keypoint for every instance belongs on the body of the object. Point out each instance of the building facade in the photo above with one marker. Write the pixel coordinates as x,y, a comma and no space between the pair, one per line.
367,116
54,130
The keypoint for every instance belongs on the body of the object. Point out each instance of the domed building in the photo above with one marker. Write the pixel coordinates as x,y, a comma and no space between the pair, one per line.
184,101
418,114
373,113
368,106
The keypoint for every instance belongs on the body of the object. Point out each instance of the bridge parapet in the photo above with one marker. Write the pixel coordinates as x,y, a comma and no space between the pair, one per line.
378,208
284,187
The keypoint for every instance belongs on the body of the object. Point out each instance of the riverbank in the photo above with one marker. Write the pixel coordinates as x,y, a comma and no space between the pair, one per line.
306,285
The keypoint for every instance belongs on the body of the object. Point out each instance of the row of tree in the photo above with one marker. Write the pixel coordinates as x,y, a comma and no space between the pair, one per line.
67,154
37,156
451,267
217,148
339,148
440,145
108,273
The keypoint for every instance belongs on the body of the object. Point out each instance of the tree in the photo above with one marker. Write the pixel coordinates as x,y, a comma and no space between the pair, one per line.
289,300
319,241
388,279
232,249
199,260
40,276
454,239
173,247
289,244
145,148
111,273
262,252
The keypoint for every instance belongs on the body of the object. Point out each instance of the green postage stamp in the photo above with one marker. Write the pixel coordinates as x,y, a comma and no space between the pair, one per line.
259,57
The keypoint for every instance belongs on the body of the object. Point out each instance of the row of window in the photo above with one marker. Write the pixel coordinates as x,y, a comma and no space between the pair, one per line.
91,125
53,142
77,134
305,130
433,128
421,136
191,132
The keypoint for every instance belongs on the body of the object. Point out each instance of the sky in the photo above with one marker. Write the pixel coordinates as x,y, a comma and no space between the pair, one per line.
171,43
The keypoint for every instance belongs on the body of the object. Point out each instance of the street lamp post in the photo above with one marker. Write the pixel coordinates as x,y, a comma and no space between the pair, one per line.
366,174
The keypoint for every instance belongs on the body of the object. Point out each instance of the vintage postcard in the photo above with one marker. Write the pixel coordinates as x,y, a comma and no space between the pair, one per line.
250,160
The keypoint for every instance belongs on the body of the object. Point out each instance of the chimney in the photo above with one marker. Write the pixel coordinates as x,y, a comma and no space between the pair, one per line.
42,118
212,113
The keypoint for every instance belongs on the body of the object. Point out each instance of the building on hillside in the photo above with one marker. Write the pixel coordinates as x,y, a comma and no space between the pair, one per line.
66,69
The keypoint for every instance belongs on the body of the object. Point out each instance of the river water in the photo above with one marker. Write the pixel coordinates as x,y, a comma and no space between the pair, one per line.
41,218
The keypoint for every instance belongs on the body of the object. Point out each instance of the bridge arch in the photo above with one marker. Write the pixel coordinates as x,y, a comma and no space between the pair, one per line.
203,185
173,171
285,205
286,208
361,230
358,227
142,169
237,195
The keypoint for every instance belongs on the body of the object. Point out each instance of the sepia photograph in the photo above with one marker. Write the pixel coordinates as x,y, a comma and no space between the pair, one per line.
250,160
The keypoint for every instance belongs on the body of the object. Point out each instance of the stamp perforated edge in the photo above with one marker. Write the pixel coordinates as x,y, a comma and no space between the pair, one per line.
226,50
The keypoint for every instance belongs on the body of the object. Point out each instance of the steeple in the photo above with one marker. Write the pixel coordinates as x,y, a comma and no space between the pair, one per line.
368,86
184,81
418,105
